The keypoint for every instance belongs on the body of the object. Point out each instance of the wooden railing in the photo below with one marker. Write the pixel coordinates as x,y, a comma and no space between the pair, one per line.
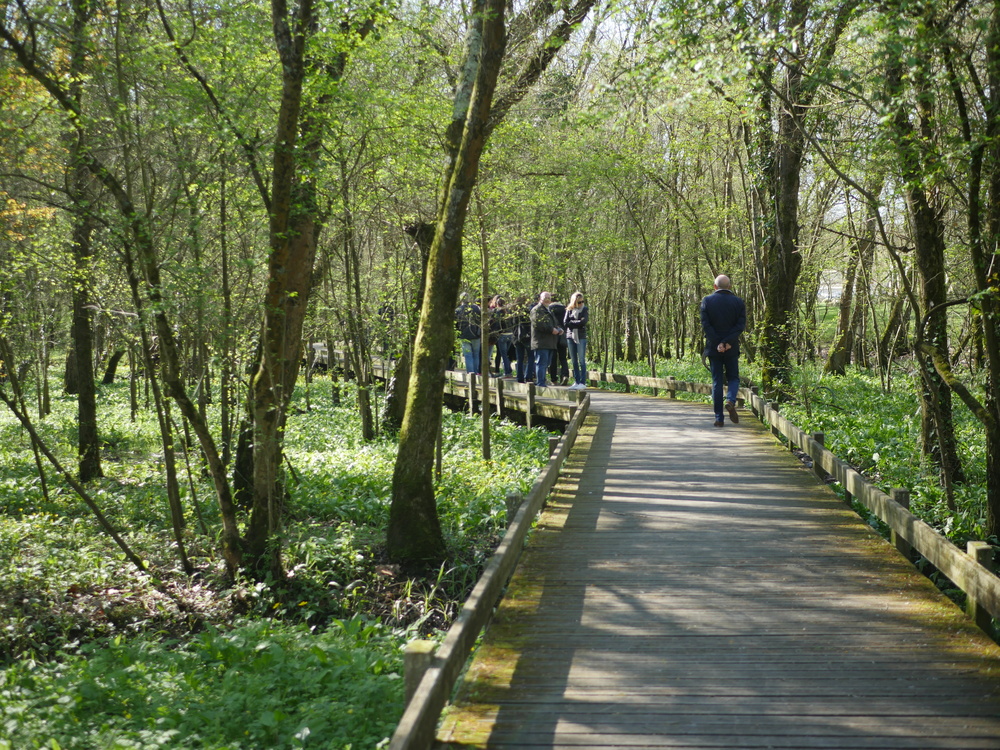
532,401
971,571
441,668
551,403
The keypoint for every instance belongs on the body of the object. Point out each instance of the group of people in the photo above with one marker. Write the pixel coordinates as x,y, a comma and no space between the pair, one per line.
532,341
544,336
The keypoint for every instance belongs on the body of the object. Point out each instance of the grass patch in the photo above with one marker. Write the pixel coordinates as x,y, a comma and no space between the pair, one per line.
95,656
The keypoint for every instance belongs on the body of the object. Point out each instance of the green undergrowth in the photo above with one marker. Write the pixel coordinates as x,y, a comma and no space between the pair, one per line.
261,684
878,433
94,654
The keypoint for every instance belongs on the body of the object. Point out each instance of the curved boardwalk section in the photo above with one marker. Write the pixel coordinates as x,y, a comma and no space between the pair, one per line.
696,587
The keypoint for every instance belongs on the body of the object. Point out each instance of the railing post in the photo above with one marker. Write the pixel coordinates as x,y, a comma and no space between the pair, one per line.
472,393
671,392
553,445
982,553
529,415
774,426
902,497
513,501
501,412
417,658
820,438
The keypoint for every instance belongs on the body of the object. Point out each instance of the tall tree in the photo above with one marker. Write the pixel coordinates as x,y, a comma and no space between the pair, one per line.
414,528
916,151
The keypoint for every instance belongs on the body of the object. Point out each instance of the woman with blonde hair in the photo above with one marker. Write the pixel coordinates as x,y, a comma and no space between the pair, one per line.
575,323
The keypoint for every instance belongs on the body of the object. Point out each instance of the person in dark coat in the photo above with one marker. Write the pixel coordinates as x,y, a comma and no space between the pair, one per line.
467,323
545,332
522,340
723,319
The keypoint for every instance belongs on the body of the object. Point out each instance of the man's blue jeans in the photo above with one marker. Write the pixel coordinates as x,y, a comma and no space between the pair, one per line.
578,354
470,350
542,357
725,371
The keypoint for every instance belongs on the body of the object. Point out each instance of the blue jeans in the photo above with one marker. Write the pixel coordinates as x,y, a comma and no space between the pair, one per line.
542,357
503,348
470,350
725,371
525,362
578,355
558,366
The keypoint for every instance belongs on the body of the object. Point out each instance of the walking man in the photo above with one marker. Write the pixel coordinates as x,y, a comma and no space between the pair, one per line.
723,318
545,334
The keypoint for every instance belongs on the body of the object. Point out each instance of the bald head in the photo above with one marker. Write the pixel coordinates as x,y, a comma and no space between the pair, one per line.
722,282
545,298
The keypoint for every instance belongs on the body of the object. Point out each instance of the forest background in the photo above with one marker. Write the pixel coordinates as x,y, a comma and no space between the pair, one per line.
198,191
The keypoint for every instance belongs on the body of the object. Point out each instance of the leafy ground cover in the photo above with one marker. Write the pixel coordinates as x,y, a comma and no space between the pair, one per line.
878,433
94,655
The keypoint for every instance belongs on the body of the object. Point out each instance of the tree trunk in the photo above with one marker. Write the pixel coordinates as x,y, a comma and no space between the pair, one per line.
889,343
112,369
937,427
986,264
395,394
89,450
294,230
862,255
783,259
414,532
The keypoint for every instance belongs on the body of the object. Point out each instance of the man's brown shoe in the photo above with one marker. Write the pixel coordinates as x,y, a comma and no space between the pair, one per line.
719,423
731,408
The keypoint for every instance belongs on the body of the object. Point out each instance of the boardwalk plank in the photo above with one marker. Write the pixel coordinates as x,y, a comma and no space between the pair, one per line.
689,587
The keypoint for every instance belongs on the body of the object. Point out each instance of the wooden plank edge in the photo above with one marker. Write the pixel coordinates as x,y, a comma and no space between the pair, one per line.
418,726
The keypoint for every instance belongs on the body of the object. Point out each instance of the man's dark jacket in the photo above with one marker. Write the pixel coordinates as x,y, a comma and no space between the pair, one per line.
542,324
723,318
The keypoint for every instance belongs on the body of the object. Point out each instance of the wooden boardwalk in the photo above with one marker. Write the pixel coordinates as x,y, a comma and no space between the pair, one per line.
691,587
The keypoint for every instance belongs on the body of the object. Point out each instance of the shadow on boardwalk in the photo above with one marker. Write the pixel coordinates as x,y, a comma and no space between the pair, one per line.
691,587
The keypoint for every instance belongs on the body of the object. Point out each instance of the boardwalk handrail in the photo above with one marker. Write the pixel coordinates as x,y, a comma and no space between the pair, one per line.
979,583
418,726
559,403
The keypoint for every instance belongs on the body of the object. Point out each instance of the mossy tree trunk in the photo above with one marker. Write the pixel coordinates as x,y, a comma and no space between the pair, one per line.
815,32
395,395
295,223
414,532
